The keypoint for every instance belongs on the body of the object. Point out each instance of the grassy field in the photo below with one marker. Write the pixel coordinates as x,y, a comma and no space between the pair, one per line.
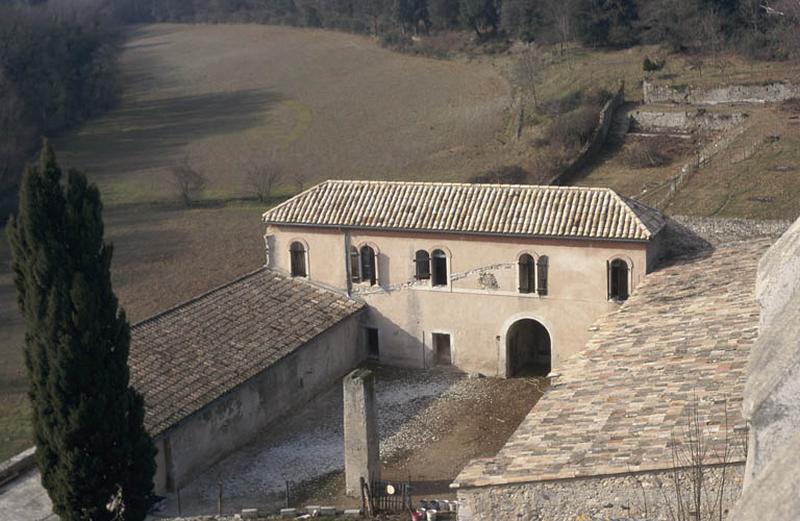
325,104
758,176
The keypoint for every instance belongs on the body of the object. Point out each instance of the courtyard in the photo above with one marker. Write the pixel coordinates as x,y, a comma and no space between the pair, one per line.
431,423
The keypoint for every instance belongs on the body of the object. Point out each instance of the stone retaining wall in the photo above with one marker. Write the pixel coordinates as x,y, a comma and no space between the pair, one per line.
642,496
721,230
684,121
687,94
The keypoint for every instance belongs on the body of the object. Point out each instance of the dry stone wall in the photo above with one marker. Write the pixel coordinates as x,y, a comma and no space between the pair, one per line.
643,496
684,121
687,94
592,147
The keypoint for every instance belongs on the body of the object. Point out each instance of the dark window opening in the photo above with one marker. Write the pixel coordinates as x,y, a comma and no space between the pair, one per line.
439,268
618,273
368,272
355,265
298,259
541,276
423,262
441,348
373,348
526,274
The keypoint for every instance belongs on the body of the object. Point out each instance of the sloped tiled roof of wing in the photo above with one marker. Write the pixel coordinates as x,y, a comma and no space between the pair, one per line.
531,210
186,357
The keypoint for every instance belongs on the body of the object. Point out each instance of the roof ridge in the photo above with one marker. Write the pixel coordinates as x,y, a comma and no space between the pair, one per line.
484,208
450,183
632,213
636,202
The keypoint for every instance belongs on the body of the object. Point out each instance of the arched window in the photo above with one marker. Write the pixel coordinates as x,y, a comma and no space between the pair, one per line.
438,268
423,263
368,271
618,273
527,271
541,275
297,253
355,265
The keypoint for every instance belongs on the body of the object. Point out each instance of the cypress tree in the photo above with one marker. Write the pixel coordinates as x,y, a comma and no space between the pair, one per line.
88,422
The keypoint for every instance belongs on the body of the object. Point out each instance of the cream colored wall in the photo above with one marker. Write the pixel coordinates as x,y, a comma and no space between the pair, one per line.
406,312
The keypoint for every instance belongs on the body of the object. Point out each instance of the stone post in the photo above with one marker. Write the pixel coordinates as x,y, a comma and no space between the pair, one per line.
361,457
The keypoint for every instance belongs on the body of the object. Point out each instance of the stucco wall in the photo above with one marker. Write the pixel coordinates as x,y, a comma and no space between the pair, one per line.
233,420
482,300
634,496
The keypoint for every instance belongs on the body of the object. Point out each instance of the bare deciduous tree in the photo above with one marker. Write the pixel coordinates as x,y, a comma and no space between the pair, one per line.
751,12
189,183
711,32
527,70
561,14
298,178
262,177
699,487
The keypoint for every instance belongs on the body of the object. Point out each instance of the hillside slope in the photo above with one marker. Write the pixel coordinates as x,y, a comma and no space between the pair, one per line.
224,98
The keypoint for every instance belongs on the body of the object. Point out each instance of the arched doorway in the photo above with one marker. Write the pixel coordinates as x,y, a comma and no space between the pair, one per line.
528,350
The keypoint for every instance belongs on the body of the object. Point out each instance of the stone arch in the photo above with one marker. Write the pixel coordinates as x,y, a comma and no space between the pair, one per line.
528,348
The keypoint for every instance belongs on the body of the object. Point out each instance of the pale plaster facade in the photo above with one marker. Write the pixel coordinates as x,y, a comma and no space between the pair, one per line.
481,300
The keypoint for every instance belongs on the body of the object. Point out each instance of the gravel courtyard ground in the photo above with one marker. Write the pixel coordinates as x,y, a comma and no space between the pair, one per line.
431,423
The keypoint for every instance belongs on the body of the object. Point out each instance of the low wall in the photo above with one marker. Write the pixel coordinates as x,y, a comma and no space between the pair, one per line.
684,121
17,465
592,148
687,94
236,418
648,496
772,394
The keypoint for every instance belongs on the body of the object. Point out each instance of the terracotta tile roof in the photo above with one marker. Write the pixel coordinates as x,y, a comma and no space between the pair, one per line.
188,356
544,211
682,340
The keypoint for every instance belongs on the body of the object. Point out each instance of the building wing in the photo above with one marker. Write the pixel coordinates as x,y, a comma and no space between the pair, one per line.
186,357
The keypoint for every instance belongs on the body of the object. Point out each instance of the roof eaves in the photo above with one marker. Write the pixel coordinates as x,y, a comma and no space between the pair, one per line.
454,232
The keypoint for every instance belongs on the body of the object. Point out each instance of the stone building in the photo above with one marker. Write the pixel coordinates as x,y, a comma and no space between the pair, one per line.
219,369
496,279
